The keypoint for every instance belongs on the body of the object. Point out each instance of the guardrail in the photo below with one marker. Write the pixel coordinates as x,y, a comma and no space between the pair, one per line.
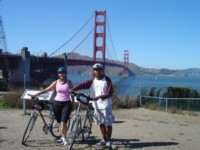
188,102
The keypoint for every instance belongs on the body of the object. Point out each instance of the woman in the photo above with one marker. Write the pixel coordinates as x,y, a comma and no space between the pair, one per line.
62,105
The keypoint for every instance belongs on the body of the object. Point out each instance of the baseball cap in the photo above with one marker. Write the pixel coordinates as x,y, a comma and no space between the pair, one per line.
61,69
97,66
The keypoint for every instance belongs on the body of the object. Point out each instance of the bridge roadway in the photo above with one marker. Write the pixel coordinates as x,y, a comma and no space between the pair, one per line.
41,67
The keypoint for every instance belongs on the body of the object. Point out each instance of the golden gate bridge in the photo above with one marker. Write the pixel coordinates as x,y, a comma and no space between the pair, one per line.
76,51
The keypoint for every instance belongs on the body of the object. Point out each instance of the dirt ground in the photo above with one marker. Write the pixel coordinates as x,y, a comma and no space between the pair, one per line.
138,129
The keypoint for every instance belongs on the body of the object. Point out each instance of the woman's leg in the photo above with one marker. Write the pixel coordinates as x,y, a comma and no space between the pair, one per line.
63,129
66,111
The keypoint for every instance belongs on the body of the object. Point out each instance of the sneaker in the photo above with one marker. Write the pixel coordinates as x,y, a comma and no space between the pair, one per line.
102,142
60,141
110,145
65,142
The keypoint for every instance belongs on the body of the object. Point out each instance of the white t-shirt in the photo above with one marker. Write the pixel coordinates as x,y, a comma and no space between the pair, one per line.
97,88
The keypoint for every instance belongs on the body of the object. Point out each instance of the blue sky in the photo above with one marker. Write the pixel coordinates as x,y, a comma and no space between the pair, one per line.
157,33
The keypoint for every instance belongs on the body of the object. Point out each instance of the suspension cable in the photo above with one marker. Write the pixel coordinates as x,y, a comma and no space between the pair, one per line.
81,42
112,40
72,36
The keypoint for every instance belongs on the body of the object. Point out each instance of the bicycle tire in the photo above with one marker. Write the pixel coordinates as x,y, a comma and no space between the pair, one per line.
73,131
87,127
54,128
29,128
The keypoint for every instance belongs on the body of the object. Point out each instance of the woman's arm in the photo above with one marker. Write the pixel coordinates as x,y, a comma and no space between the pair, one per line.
49,88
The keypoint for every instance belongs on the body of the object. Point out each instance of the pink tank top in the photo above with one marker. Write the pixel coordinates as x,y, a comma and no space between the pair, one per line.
62,92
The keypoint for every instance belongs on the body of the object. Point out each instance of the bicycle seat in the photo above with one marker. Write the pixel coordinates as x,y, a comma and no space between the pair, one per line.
83,98
39,105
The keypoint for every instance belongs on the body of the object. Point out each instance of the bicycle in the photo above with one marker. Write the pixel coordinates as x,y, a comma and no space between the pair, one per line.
79,126
52,126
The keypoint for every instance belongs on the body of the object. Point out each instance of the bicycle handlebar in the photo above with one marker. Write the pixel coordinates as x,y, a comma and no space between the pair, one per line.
39,104
86,95
36,99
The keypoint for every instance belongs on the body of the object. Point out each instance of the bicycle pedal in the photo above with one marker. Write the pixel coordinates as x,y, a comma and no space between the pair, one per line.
45,130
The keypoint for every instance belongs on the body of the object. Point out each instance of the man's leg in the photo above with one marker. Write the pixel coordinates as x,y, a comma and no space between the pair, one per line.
103,131
108,132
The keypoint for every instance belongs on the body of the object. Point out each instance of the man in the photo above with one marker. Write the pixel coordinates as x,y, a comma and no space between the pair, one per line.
101,90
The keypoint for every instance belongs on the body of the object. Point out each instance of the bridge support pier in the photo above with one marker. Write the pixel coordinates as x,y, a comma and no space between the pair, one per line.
26,64
99,35
126,62
64,56
22,74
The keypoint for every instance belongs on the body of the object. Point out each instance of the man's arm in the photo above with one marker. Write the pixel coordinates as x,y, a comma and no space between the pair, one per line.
83,85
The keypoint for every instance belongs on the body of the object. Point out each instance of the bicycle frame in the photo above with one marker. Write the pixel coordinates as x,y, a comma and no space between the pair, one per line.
79,125
51,126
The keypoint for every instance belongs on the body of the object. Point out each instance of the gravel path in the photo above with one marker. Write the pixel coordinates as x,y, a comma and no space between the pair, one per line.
138,129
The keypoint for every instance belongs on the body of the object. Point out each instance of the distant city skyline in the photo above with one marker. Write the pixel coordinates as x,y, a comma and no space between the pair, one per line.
158,34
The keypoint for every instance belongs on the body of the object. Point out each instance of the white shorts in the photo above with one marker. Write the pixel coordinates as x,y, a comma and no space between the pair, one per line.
103,116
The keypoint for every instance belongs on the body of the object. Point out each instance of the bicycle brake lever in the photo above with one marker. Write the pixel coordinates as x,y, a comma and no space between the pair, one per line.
35,98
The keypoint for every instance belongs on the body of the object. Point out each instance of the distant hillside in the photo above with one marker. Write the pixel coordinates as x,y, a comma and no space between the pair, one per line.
135,68
191,72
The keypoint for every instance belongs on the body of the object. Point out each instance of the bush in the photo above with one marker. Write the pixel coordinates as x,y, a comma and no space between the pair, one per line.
12,100
128,102
3,85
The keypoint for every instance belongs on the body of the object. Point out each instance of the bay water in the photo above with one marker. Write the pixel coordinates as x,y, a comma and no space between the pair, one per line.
132,85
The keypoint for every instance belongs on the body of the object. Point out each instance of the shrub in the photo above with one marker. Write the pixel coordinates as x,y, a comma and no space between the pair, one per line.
12,100
127,102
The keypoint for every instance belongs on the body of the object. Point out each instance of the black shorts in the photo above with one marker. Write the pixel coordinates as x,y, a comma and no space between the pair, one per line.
62,110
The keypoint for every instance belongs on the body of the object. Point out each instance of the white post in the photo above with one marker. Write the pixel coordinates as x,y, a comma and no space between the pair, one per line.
166,104
24,81
24,106
140,96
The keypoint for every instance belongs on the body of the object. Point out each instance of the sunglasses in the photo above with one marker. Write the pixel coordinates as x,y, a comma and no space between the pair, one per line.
62,72
98,69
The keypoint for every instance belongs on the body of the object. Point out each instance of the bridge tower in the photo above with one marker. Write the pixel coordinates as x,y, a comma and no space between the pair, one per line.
126,61
99,34
3,45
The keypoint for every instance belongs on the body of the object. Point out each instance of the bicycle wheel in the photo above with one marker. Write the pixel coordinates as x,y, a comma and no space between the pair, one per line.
75,123
87,127
29,128
54,128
